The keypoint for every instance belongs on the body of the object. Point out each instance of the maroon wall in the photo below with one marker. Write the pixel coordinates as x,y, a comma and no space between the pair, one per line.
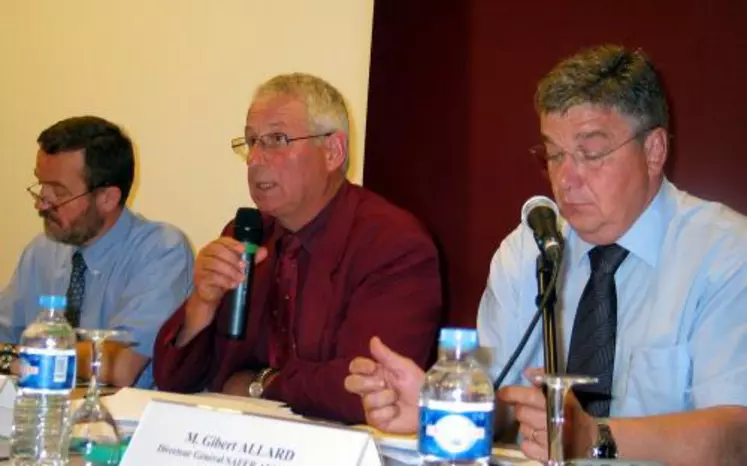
450,108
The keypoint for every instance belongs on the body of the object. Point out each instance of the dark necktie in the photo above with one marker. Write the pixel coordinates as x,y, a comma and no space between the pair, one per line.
76,290
281,339
592,349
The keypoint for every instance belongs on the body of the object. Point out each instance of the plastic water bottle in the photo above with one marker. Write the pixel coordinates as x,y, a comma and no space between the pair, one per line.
456,405
48,364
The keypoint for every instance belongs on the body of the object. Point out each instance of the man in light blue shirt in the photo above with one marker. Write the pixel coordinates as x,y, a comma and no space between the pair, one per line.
678,362
682,306
117,269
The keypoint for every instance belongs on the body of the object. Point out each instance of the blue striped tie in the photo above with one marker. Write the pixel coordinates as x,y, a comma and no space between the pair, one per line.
592,349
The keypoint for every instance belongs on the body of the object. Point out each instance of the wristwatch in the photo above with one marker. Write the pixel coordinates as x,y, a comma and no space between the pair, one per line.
7,354
605,446
258,384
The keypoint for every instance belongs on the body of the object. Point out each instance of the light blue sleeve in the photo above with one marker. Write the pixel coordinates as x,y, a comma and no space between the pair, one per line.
12,297
160,281
718,343
498,314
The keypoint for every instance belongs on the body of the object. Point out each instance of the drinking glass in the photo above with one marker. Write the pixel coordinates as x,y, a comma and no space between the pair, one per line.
93,434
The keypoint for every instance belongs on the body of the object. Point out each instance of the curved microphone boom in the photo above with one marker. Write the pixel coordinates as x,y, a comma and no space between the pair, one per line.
247,229
540,214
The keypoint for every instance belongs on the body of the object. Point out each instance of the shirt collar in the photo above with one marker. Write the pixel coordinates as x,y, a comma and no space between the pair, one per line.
96,254
643,239
311,231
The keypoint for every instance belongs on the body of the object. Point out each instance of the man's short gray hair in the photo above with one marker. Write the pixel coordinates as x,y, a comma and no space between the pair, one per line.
608,76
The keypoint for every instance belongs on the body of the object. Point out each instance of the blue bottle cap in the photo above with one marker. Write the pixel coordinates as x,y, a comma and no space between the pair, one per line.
463,338
53,301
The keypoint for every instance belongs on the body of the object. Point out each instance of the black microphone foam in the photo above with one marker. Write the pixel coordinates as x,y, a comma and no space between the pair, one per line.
540,214
247,228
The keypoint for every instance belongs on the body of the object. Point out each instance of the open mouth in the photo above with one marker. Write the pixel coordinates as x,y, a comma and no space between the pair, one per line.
265,186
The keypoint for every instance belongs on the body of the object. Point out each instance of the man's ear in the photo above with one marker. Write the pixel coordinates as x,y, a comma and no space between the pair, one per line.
656,148
335,151
107,199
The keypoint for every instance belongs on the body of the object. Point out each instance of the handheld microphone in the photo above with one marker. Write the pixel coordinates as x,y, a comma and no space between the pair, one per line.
540,214
247,229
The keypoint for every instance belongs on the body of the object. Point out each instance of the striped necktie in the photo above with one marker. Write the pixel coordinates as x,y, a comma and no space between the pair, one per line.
592,349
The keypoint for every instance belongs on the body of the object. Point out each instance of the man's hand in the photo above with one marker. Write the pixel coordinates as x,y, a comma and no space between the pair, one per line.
530,410
238,383
389,387
15,367
218,269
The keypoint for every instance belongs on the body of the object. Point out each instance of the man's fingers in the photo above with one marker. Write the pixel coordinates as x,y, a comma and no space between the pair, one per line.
381,417
260,255
363,385
538,436
363,366
517,395
230,243
221,264
396,363
532,417
531,373
534,451
379,399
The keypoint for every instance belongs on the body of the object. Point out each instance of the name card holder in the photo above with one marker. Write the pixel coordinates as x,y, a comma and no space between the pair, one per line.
179,434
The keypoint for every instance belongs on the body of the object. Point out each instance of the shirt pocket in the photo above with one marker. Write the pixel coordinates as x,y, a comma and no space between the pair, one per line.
658,381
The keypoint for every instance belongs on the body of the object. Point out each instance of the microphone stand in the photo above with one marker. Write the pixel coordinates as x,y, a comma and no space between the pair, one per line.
555,386
552,385
544,275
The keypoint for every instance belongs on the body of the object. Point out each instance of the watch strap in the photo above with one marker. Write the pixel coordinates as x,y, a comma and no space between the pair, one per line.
257,385
605,447
265,374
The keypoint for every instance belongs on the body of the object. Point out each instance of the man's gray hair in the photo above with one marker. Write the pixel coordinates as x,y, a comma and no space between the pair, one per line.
607,76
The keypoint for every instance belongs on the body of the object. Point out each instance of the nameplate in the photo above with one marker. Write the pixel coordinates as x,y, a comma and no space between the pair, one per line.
179,434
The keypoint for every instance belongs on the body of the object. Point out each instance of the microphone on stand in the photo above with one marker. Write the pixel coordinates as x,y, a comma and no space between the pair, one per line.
540,214
247,229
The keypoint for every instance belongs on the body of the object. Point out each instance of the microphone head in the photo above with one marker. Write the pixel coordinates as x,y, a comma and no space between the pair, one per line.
534,202
247,226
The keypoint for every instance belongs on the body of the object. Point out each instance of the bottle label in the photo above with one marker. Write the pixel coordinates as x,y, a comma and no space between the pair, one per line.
456,430
47,371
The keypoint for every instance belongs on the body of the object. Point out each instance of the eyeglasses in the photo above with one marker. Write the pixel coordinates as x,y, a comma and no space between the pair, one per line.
35,190
581,155
269,142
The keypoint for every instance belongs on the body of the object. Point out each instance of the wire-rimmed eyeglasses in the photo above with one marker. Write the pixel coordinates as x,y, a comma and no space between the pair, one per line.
269,142
35,190
581,155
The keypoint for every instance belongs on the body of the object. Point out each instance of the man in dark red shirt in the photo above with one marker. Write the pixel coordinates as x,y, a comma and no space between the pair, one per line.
339,265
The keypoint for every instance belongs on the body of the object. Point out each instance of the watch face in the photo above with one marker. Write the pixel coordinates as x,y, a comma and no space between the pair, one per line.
255,389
